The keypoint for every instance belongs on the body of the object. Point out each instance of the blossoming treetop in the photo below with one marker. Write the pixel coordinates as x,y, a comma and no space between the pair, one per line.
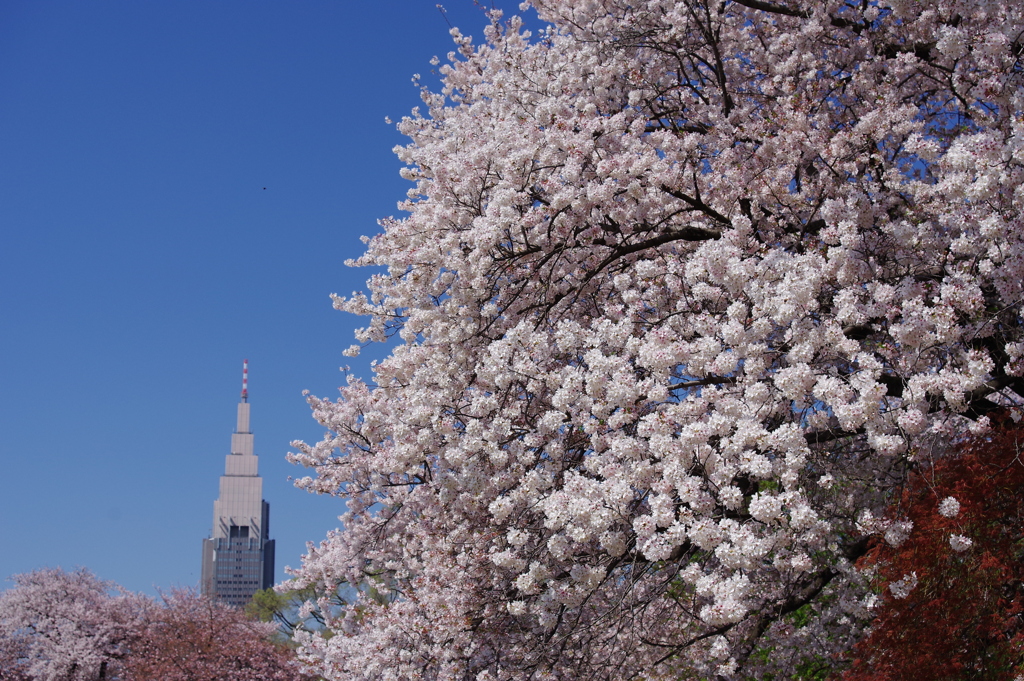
684,288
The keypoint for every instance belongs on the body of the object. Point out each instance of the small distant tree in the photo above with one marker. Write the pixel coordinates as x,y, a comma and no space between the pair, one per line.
268,605
291,610
954,606
66,626
307,609
194,637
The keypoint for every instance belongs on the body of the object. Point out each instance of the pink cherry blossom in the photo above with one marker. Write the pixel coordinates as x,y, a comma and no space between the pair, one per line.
72,626
68,625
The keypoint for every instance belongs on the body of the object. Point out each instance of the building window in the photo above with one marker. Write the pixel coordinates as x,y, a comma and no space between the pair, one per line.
239,531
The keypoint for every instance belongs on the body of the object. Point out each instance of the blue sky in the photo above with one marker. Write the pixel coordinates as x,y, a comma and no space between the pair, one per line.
141,258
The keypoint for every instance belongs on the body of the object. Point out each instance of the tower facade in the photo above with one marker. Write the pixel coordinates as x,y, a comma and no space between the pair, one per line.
238,558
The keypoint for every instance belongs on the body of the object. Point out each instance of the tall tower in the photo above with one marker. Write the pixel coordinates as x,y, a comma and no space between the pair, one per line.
238,559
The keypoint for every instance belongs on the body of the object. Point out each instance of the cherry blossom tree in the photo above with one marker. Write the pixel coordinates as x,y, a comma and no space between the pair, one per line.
73,626
66,626
684,290
194,637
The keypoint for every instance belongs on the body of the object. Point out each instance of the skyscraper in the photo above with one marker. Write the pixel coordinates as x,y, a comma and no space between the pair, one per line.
238,558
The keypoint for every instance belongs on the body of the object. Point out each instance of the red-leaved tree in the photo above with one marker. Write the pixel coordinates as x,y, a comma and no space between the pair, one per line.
954,609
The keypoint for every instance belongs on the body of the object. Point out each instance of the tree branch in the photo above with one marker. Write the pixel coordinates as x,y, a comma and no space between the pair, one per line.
699,205
773,8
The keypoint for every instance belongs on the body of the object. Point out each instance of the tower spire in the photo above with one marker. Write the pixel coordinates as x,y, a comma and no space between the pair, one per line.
245,380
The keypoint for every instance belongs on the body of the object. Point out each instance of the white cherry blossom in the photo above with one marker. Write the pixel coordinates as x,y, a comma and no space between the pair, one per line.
960,543
949,507
682,289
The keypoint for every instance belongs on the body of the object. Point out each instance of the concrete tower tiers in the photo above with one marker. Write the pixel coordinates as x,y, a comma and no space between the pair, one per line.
238,558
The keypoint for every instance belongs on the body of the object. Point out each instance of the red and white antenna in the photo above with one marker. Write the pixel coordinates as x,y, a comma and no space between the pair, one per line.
245,380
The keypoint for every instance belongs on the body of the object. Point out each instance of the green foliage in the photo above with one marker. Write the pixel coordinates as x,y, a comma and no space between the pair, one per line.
815,668
802,615
285,607
267,605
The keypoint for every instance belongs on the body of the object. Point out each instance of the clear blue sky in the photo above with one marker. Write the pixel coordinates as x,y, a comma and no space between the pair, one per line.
141,258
